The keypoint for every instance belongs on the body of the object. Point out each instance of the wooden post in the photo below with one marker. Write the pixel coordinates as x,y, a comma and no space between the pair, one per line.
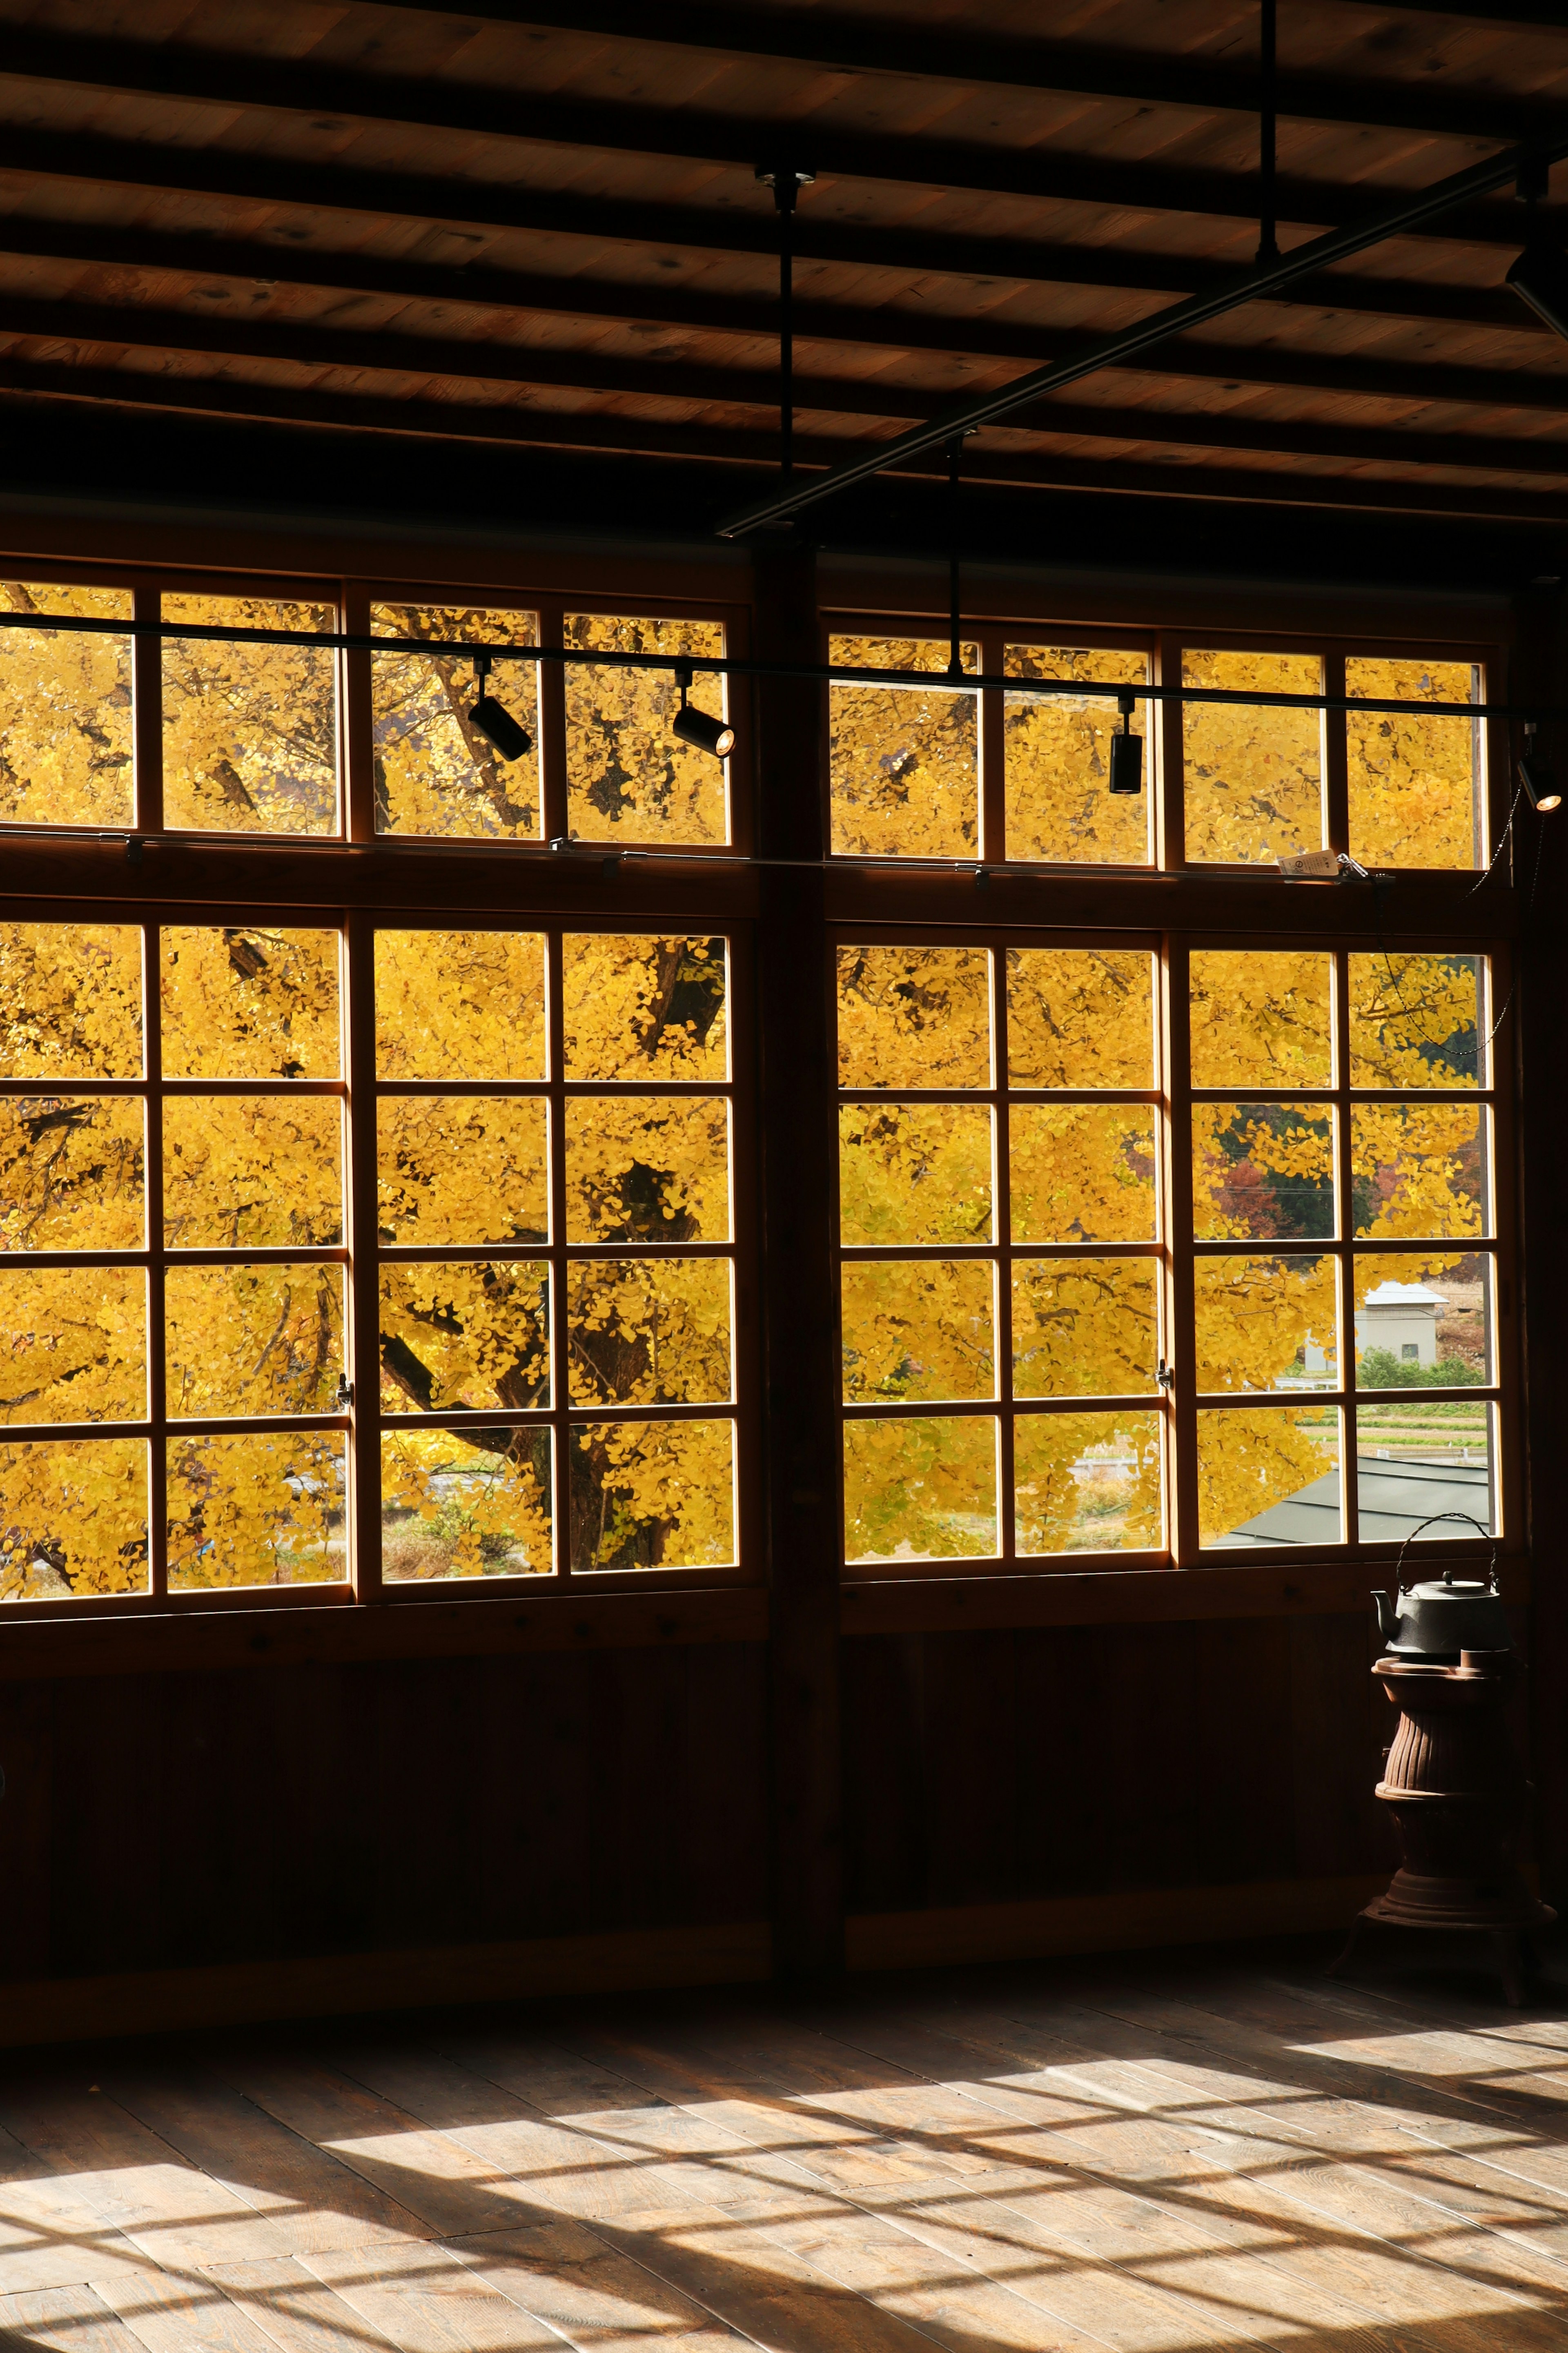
797,1138
1540,671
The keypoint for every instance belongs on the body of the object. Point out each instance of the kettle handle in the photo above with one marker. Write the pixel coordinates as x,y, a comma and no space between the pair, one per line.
1476,1524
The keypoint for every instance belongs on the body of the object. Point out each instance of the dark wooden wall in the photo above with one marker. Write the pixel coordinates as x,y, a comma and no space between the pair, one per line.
999,1767
172,1821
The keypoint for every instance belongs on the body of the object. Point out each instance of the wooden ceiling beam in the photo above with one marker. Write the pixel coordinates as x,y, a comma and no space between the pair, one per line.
967,57
619,436
168,333
64,166
481,359
229,79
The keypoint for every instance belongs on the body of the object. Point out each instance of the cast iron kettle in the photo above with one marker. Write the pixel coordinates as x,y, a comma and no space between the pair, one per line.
1432,1623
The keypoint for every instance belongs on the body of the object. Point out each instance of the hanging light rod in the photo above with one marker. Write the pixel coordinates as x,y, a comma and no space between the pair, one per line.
1116,351
727,666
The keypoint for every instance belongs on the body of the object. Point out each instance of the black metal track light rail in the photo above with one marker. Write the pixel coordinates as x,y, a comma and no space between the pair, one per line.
1128,343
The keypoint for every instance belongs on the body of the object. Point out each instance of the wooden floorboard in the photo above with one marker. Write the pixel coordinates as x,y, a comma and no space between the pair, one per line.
1154,2153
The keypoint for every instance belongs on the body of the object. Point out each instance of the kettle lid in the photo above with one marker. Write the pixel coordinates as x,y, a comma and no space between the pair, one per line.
1449,1588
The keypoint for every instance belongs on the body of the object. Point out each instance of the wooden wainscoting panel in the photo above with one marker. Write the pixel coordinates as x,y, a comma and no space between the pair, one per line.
1125,1920
162,2001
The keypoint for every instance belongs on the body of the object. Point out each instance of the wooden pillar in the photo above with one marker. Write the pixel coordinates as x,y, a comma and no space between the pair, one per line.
1540,1040
799,1368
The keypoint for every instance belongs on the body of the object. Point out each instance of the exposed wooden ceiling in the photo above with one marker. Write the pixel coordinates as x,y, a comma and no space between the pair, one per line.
540,225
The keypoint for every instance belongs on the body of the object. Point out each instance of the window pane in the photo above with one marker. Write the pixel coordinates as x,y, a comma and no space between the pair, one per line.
1263,1172
73,1343
920,1488
1418,1462
914,1173
455,1335
71,1173
919,1328
73,1519
248,1002
914,1017
1254,773
256,1172
459,1005
649,1331
253,1339
249,731
1058,761
1267,1323
628,778
1419,1169
1084,1327
70,1001
1425,1320
647,1169
1082,1172
256,1511
904,761
434,773
653,1494
1272,1478
636,1006
66,750
1415,1020
1261,1020
1086,1482
1081,1018
1415,796
469,1503
462,1168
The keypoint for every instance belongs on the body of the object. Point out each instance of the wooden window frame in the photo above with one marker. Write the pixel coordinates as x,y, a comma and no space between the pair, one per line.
1176,1249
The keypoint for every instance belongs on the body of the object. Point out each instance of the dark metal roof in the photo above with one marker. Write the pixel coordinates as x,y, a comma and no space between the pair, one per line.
1392,1499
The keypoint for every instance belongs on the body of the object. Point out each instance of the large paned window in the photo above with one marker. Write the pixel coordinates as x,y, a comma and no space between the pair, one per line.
1019,771
1164,1249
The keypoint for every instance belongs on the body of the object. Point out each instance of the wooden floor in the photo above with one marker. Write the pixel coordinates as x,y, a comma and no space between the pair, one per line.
1148,2153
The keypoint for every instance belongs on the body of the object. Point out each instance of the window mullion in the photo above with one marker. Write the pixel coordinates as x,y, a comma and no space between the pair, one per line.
1344,1149
1180,1414
147,715
561,1452
364,1503
1002,1228
152,1183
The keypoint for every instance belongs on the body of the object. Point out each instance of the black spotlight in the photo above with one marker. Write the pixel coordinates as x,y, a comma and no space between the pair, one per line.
1540,784
493,719
1126,753
1540,277
696,728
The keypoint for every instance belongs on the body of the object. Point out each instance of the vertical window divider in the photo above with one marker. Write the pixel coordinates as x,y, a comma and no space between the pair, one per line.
362,1502
147,716
556,1249
992,733
356,737
152,1184
1336,761
1349,1506
1179,1399
1001,1231
1169,811
552,737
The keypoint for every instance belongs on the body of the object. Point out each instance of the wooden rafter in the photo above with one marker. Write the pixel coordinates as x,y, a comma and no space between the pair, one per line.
231,78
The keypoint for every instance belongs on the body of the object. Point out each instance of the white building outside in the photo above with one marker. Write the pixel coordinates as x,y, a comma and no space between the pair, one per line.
1402,1317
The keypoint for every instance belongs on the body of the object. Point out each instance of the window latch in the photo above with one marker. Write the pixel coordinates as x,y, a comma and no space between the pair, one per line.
345,1393
1166,1376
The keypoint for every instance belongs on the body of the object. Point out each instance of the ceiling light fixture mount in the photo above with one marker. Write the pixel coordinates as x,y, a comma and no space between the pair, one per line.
1540,787
698,728
494,721
1126,753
